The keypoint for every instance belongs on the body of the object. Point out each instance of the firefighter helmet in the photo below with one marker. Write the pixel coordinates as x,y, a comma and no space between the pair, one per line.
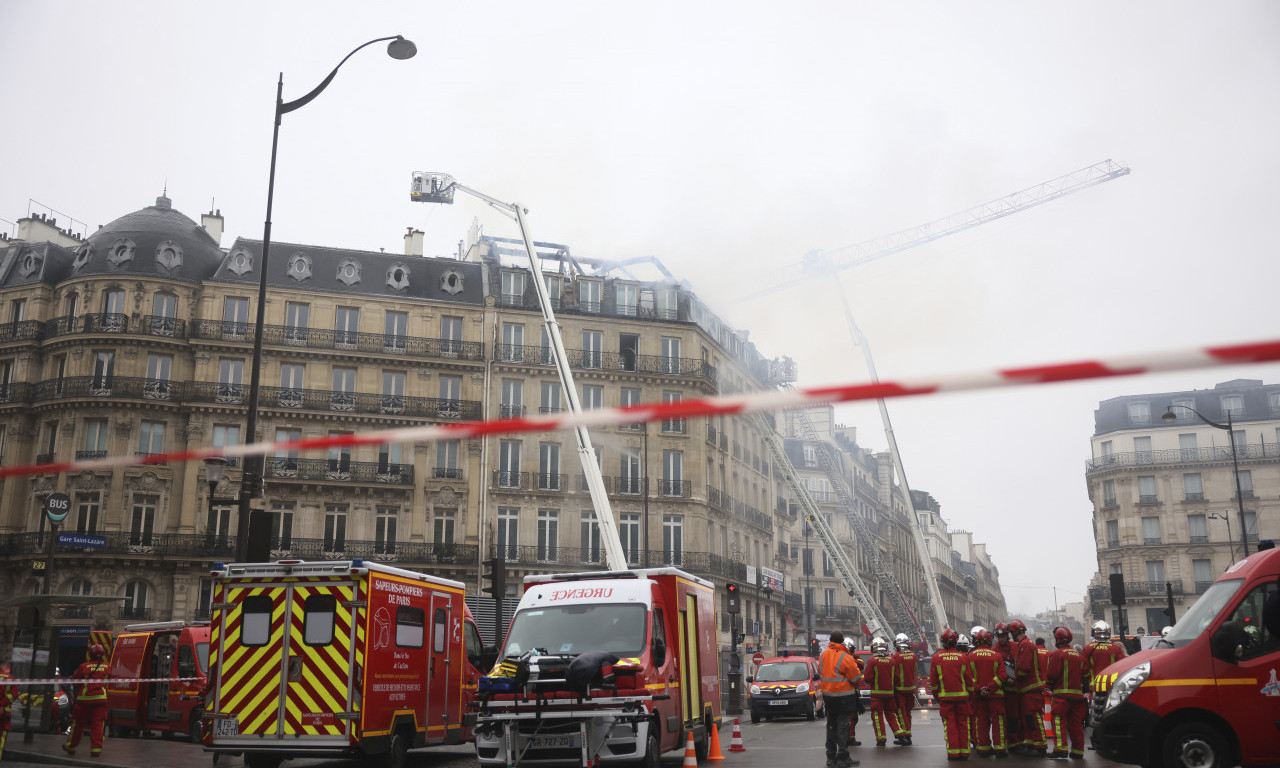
1016,626
949,638
880,646
962,643
1165,632
1061,636
981,637
1101,630
97,651
901,640
1000,629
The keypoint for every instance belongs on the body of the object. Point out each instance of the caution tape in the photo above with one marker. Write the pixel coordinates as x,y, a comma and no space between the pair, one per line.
68,681
770,400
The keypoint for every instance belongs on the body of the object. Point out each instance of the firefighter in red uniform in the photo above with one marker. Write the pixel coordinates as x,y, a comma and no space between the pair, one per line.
91,703
7,694
1066,678
905,687
1012,717
882,679
951,682
1030,684
1102,652
986,667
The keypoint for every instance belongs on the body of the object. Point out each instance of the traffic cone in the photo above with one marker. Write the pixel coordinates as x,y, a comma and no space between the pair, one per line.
690,754
1048,724
735,744
715,744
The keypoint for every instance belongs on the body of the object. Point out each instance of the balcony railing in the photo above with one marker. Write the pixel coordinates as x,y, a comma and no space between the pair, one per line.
430,408
1201,586
1182,456
122,387
339,470
356,341
1151,541
1199,539
126,542
129,612
447,473
682,489
23,330
528,354
1194,497
1137,589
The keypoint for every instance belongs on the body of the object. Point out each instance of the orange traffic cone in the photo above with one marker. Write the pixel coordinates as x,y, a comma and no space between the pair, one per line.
735,744
1048,725
690,754
715,744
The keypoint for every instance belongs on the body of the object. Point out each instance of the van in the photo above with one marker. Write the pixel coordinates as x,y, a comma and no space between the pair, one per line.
162,649
786,686
1209,696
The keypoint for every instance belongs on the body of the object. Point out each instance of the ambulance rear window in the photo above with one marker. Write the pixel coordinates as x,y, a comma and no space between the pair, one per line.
255,620
317,619
410,623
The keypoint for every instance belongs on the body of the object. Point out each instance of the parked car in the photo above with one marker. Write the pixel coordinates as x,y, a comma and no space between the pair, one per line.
786,686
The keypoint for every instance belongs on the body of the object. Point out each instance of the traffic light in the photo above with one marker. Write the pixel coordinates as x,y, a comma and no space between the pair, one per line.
496,578
741,637
733,604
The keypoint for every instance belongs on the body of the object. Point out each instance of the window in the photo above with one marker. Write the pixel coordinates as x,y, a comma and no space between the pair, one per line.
512,289
451,396
549,467
629,534
554,285
1107,448
512,398
626,299
297,317
665,303
1155,577
18,311
1113,533
828,567
550,397
230,380
509,533
104,368
810,455
439,632
512,343
335,527
292,383
1142,450
217,523
1233,406
346,327
342,396
1150,530
396,332
285,462
1244,481
673,473
450,335
672,540
675,425
1203,570
629,475
235,317
1251,525
589,295
447,460
318,619
225,435
590,538
509,464
159,368
1273,402
390,456
135,600
282,525
1108,493
1139,413
1146,489
393,383
151,437
339,464
255,620
630,396
1197,529
1191,485
411,626
592,349
385,530
88,505
95,438
670,355
548,535
828,602
1187,447
443,527
592,397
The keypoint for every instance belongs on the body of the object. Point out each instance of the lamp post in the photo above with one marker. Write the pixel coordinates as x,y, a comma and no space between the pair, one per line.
253,542
1230,544
1169,417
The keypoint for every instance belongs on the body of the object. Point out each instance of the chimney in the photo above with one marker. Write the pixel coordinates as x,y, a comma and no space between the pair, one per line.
413,242
212,223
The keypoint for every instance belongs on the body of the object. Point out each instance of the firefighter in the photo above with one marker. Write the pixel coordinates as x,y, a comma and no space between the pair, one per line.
838,681
882,679
1030,684
1101,653
964,646
1012,717
858,708
986,667
91,703
1066,678
7,694
951,682
905,660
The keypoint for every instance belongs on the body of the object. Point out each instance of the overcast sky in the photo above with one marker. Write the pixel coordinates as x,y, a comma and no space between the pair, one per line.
728,140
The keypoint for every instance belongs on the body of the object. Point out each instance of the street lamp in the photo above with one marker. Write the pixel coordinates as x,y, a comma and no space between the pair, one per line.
1227,519
1169,417
253,543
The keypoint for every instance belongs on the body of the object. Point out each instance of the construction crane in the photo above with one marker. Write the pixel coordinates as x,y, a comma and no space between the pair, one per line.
828,265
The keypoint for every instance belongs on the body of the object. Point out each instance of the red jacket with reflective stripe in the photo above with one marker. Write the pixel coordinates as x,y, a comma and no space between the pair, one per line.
91,670
1066,673
950,675
1101,654
986,667
1027,662
905,661
882,675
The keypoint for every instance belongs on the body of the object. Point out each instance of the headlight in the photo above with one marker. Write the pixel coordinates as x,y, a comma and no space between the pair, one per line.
755,690
1126,684
802,688
922,691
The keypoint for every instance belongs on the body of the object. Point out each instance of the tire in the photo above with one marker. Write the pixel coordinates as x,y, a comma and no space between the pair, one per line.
397,754
262,761
755,717
652,757
193,726
1195,745
812,714
702,746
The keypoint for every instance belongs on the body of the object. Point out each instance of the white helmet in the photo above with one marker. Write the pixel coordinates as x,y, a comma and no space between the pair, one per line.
974,632
880,646
901,640
1101,630
963,642
1165,632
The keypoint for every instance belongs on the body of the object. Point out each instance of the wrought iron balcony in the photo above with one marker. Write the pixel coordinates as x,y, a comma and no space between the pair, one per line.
1142,590
682,489
355,341
1194,497
527,354
23,330
134,613
509,411
673,426
447,473
339,470
1182,456
403,552
430,408
529,481
121,387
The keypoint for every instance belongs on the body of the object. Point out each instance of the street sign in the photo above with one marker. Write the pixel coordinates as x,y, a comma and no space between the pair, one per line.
82,540
759,657
57,506
37,565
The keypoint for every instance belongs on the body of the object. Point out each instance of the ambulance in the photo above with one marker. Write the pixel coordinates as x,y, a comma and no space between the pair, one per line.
342,659
646,639
162,649
1209,696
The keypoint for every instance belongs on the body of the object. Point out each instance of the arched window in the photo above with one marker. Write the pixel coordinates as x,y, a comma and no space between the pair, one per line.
80,587
135,601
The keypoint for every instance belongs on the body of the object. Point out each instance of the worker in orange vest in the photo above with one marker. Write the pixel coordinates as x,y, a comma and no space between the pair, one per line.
838,681
91,702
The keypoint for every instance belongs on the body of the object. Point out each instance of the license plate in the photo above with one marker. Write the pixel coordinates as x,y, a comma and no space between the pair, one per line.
554,741
225,726
779,703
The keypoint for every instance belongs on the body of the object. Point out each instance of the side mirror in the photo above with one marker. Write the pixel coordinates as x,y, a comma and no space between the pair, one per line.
1228,642
487,658
658,652
751,678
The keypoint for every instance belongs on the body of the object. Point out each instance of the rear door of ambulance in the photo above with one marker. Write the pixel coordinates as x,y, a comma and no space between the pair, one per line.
286,650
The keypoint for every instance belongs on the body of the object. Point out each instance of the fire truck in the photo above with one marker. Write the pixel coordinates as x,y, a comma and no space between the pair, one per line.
174,649
1209,695
345,658
603,668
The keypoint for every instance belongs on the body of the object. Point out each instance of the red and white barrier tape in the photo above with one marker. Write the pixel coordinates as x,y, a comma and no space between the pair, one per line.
68,681
1239,354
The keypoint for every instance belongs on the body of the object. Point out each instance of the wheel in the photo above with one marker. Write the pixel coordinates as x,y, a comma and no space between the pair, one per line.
822,713
397,754
652,757
702,746
193,726
755,717
262,761
1195,745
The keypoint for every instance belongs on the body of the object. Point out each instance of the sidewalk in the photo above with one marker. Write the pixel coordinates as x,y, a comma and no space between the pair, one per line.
116,753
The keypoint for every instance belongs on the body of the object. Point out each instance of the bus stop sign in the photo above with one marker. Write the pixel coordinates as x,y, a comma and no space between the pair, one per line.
57,506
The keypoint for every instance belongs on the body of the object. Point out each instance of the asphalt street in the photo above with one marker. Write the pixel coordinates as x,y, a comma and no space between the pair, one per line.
791,743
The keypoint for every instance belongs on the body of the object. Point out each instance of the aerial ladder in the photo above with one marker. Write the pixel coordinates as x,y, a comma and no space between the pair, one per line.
828,264
429,187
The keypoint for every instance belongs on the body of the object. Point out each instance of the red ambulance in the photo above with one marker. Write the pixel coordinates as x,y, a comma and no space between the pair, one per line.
161,649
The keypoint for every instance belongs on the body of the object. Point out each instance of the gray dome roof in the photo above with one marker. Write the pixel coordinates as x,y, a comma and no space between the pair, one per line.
156,240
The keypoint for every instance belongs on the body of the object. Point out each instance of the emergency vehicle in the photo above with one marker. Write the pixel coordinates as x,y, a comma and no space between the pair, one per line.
172,649
786,685
344,658
1210,697
660,625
